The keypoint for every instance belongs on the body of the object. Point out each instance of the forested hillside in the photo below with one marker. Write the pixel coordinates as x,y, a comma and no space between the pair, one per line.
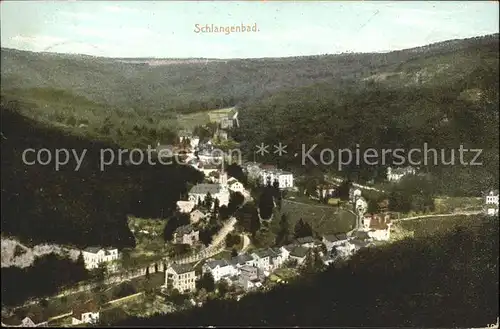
415,104
84,207
186,86
446,280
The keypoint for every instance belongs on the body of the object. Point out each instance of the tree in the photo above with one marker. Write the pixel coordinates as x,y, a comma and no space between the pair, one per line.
215,210
312,263
99,274
207,282
236,199
234,252
283,236
174,222
266,203
222,288
207,203
302,229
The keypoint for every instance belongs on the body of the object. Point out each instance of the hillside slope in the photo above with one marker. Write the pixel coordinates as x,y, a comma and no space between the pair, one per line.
416,103
186,86
78,207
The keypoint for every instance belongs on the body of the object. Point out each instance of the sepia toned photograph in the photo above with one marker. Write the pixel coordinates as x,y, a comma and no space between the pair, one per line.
250,164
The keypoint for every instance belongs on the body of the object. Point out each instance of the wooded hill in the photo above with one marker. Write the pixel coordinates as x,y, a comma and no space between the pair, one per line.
444,100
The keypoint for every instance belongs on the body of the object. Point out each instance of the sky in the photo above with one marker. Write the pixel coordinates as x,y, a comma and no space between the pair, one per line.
166,29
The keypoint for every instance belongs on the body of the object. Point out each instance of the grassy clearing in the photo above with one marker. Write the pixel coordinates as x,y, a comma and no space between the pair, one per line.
432,225
450,204
191,120
322,218
150,245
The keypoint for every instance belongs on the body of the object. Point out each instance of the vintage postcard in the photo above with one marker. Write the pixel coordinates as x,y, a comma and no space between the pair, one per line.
250,163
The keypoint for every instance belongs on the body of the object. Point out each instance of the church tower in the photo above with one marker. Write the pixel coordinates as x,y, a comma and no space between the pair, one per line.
223,177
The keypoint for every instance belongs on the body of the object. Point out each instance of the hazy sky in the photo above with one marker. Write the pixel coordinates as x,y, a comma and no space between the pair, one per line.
166,29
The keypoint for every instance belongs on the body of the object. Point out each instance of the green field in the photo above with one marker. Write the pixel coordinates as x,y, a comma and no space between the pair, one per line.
432,225
191,120
322,218
450,204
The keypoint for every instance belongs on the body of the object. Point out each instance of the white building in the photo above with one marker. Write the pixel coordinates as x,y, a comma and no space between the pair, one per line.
378,228
196,216
242,260
219,269
395,174
334,240
93,256
361,206
219,191
491,203
235,186
284,178
186,235
263,259
185,206
354,193
181,277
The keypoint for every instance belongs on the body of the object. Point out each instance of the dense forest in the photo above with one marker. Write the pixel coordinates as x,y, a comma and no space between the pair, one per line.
44,278
188,87
83,207
455,106
446,280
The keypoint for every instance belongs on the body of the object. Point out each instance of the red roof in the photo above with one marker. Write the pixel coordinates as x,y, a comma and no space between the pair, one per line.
379,222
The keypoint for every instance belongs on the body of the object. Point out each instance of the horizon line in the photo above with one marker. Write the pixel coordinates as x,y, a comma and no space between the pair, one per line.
243,58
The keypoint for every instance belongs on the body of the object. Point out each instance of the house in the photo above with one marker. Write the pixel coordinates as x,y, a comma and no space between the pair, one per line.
93,256
252,169
181,277
395,174
211,156
491,203
333,240
344,250
196,216
361,206
219,191
327,259
221,134
188,136
86,313
354,193
242,260
298,253
229,120
185,206
219,269
186,234
325,190
284,178
249,277
235,186
30,320
378,228
208,168
263,258
306,242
